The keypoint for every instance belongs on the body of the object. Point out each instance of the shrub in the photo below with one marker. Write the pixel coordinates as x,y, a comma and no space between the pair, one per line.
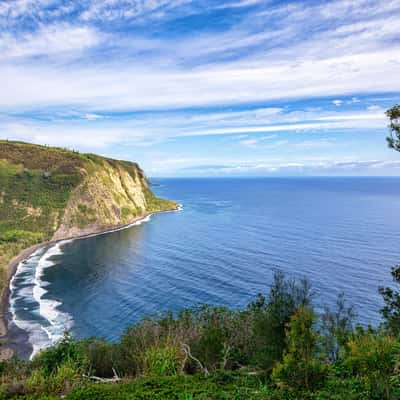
373,357
217,338
170,350
164,361
337,326
65,351
300,368
62,380
391,309
101,357
15,235
271,316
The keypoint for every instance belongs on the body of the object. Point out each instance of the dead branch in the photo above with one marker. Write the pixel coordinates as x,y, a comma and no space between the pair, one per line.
98,379
186,350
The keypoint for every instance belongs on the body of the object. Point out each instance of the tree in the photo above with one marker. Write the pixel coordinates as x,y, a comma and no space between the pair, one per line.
391,309
337,326
271,315
300,368
394,116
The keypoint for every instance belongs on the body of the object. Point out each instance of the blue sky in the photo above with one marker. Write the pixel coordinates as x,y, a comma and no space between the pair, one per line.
205,88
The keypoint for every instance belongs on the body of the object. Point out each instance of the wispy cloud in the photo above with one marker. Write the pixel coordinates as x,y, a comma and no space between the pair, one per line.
135,88
257,142
107,10
157,127
49,41
322,167
126,74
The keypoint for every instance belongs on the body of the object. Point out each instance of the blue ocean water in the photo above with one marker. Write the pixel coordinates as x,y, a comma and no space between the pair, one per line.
222,248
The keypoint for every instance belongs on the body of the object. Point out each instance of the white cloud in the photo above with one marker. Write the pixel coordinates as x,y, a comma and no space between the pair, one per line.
375,108
308,167
365,123
91,129
353,100
13,9
249,142
133,87
240,4
108,10
93,117
48,40
284,56
256,142
68,62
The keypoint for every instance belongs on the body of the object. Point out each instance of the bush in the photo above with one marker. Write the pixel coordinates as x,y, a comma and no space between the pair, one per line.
102,358
300,368
337,327
15,235
164,361
271,316
373,357
66,351
209,353
61,381
391,309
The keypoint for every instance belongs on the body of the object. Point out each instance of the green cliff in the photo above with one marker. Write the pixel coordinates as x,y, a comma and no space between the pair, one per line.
50,193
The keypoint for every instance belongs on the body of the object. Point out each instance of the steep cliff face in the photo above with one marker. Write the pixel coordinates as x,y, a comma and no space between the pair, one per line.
49,194
111,193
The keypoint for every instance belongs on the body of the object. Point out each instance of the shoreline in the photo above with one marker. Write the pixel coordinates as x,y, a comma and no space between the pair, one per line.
6,348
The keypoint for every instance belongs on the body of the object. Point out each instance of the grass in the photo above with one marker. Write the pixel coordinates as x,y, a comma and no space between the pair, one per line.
155,204
221,386
224,386
217,386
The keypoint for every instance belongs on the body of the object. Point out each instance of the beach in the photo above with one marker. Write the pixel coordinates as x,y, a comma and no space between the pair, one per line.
12,337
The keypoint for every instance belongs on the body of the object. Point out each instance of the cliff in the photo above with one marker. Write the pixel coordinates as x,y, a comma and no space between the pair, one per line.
49,194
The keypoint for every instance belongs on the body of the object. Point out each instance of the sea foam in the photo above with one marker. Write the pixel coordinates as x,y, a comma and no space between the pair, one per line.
42,318
58,322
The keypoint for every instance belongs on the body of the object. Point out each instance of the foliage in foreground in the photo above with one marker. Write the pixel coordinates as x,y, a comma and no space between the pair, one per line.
394,127
276,348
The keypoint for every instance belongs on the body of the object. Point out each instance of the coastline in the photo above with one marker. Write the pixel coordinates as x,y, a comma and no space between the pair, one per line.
6,350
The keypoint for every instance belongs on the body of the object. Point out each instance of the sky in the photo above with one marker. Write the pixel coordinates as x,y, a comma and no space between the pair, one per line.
205,87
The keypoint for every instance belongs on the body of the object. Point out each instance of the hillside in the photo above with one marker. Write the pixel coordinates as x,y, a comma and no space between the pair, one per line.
50,193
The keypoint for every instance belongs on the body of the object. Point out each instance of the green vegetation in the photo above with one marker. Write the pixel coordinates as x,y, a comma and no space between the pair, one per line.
391,310
217,353
394,127
155,204
44,188
35,184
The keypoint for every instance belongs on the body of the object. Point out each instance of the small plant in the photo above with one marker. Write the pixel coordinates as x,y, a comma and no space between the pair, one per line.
164,361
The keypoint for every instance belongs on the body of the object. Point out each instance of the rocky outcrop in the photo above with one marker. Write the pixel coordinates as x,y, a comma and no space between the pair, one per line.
110,195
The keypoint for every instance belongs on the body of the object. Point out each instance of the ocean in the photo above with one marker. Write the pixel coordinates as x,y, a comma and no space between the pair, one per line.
222,248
